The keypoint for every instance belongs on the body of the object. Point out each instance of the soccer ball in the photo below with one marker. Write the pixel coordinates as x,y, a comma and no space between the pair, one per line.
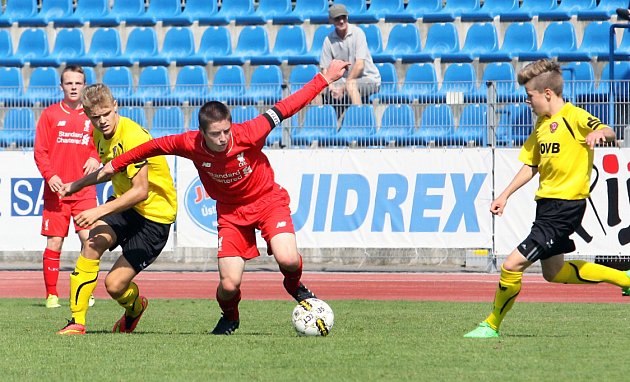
313,317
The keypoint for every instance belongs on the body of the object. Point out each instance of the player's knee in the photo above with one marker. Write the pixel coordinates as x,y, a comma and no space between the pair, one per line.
115,287
230,286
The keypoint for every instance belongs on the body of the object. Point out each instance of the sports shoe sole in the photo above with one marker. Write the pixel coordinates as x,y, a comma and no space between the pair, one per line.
120,325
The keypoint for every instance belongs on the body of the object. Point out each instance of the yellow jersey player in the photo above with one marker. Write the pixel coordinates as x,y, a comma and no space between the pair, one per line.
137,217
560,149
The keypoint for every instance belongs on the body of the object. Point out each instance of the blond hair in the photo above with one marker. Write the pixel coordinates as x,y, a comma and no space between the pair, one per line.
543,74
96,95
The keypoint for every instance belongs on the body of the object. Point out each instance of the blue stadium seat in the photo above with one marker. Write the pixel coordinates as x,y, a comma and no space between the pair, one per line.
270,10
33,43
274,139
43,87
403,43
358,126
6,45
420,84
240,11
481,38
319,127
473,126
87,11
395,9
228,84
414,10
141,48
621,80
559,38
11,86
154,86
290,46
300,75
215,42
265,85
135,113
315,11
459,77
442,38
436,126
357,11
69,45
19,128
129,11
193,121
178,46
252,42
241,114
54,11
519,38
167,120
529,9
23,12
119,80
373,37
313,55
388,91
397,126
579,81
104,48
502,76
204,12
191,85
566,10
602,11
489,10
452,10
595,44
169,12
515,124
90,75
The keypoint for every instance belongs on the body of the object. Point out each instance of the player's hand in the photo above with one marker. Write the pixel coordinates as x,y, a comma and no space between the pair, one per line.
90,166
108,169
337,92
55,183
595,137
87,218
65,190
335,70
497,206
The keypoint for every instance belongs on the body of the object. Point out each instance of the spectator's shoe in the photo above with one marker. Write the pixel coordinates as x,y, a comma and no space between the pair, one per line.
52,301
91,301
225,327
482,331
626,291
623,14
72,329
302,293
127,324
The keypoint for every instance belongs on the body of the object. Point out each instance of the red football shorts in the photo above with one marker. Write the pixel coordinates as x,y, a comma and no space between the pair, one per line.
237,225
56,215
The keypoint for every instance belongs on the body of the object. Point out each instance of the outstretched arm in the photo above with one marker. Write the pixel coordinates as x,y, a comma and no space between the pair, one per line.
93,178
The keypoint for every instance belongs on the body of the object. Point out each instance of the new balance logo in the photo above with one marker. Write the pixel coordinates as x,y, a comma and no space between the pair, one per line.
206,164
281,224
61,123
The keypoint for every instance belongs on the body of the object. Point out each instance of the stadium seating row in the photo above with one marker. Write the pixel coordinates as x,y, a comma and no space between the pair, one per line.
207,12
404,43
267,85
320,125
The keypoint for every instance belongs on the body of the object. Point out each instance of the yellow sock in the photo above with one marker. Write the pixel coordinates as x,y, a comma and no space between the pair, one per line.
129,300
507,291
583,272
82,284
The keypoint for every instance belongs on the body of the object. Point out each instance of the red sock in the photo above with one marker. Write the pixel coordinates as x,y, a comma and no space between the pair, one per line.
230,307
292,278
51,270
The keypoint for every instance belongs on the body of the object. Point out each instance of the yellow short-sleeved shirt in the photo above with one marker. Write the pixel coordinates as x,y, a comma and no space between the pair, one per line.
161,205
557,145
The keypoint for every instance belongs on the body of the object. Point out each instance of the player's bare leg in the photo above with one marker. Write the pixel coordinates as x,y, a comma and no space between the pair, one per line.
284,249
229,294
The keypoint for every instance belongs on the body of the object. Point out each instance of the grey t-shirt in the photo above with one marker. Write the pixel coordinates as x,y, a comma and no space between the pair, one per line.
353,47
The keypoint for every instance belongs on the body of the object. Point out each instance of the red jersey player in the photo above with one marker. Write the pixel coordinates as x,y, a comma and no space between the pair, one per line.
64,151
237,174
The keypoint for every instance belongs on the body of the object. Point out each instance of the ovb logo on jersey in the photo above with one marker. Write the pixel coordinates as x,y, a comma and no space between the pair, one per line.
201,208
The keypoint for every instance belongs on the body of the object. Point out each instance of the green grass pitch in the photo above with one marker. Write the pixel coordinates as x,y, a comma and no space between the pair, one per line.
371,341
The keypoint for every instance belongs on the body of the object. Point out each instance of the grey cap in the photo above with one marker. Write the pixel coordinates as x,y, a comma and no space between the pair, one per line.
337,10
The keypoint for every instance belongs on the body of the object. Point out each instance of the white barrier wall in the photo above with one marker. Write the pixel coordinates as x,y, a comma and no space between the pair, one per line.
405,198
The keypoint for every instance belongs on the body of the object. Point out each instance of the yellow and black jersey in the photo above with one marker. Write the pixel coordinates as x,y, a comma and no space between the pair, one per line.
161,205
557,146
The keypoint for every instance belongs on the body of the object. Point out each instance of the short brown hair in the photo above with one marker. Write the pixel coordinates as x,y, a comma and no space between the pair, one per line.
72,68
544,74
211,112
96,95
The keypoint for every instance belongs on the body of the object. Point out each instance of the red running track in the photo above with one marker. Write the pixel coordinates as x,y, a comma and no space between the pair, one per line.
329,286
